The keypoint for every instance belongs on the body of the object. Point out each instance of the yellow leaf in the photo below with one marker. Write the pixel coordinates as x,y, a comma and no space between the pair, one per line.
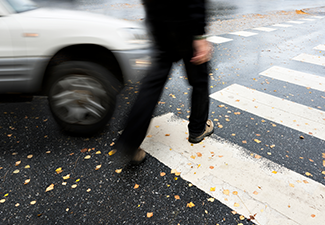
98,152
291,185
149,214
242,217
136,186
236,204
193,156
58,170
88,190
50,188
66,177
173,171
272,146
191,204
255,192
308,174
178,173
177,197
323,162
257,141
199,154
226,192
17,163
213,189
27,181
98,167
235,193
118,171
33,202
162,174
274,172
77,180
112,152
323,172
27,167
74,186
30,156
211,199
87,157
16,171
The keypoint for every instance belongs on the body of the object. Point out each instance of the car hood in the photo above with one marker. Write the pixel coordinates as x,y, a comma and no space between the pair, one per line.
62,14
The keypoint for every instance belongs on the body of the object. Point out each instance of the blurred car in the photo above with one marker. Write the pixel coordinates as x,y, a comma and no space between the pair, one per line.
78,59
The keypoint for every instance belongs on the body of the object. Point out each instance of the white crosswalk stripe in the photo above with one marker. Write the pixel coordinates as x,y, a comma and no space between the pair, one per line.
244,33
267,29
230,174
313,59
218,40
282,25
296,77
295,22
320,47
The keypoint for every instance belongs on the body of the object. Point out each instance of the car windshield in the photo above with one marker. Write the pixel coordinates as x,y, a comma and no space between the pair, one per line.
22,5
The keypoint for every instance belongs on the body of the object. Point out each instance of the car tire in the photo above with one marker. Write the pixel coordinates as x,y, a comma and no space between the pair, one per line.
82,96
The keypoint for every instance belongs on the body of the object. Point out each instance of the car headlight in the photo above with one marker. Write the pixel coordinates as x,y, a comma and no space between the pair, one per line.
134,35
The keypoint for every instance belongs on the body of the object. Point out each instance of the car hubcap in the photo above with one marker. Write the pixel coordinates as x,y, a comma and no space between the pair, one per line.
78,99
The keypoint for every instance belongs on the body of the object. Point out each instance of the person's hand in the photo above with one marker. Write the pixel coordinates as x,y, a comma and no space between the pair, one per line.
202,51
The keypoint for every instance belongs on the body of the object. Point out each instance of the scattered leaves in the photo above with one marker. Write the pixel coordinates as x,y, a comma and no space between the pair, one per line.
112,152
66,177
16,171
87,157
50,188
191,204
59,170
213,189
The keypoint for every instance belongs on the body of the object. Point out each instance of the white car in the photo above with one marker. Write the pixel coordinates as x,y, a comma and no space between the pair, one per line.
78,59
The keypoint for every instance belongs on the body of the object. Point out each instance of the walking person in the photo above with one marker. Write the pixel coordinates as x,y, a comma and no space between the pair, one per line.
178,30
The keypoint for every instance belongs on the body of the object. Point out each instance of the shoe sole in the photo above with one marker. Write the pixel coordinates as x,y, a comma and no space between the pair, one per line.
198,140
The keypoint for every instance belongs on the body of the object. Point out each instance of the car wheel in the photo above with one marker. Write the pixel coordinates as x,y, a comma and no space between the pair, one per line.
82,96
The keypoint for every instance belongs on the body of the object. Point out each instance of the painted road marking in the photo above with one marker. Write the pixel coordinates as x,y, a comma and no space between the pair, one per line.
287,113
218,40
244,33
282,25
296,77
295,22
274,193
264,29
320,47
313,59
308,19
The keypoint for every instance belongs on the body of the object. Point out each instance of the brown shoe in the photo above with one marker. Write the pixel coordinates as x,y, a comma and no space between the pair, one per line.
138,157
208,131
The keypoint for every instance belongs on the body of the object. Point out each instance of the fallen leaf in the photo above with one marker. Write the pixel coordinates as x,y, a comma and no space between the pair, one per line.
191,204
236,204
98,152
255,193
313,215
58,170
301,137
211,167
149,136
234,212
257,156
83,150
291,185
177,197
167,135
226,192
173,171
112,152
118,171
88,190
27,167
272,146
98,167
50,188
199,154
149,214
27,181
17,163
30,156
244,142
87,157
211,199
73,186
111,144
306,182
242,217
308,174
17,204
33,202
213,189
274,172
235,193
16,171
162,174
178,173
257,141
66,177
2,200
193,156
136,186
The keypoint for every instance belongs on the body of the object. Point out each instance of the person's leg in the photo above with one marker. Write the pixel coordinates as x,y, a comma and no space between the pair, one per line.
198,79
142,110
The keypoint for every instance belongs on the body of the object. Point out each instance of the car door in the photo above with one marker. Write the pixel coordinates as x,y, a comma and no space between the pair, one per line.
6,55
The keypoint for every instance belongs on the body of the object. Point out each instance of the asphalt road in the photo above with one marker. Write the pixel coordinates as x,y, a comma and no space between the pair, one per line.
33,148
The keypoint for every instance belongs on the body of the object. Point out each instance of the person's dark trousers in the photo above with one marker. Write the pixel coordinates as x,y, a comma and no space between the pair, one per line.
171,50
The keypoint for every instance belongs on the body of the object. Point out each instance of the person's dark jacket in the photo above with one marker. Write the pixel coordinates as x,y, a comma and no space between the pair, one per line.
176,15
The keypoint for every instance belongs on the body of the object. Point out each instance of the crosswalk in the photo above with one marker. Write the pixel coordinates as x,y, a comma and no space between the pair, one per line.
234,175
